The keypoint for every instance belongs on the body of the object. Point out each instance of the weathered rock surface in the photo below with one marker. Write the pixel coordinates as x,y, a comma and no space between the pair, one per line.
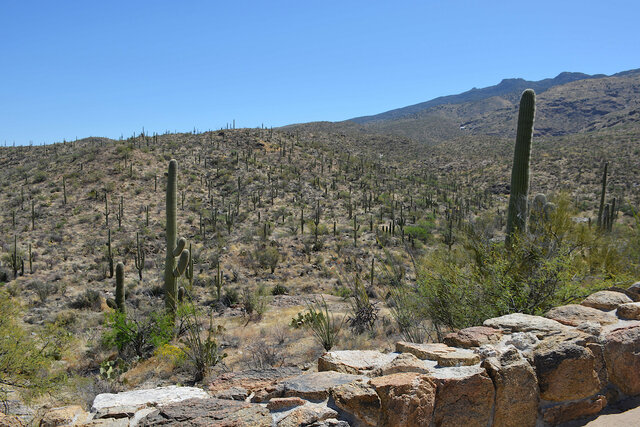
606,300
630,310
429,351
573,410
633,291
66,415
130,401
405,362
575,314
354,361
473,337
306,415
9,421
261,382
284,403
407,399
360,401
464,397
565,370
460,357
316,386
233,393
108,422
622,356
210,412
519,322
516,387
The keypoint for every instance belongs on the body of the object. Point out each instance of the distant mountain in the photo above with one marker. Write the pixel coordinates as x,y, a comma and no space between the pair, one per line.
567,104
505,87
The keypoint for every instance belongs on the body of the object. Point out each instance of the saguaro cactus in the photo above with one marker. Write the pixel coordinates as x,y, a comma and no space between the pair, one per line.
175,247
517,215
120,287
603,195
139,257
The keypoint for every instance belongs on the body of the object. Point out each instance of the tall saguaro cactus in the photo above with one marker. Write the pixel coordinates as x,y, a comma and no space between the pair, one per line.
517,214
603,195
175,246
120,287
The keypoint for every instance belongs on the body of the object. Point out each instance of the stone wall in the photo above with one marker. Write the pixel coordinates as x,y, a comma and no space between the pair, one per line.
515,370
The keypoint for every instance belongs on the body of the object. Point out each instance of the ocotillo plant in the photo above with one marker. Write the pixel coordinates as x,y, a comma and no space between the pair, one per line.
175,247
517,215
120,287
139,257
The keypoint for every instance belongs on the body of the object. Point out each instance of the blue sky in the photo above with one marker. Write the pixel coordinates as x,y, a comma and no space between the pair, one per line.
79,68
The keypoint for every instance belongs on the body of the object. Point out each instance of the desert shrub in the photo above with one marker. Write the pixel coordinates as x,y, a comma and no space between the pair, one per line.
267,257
325,325
421,231
264,354
364,313
408,314
256,302
279,289
231,297
201,354
536,272
43,290
25,357
136,335
89,299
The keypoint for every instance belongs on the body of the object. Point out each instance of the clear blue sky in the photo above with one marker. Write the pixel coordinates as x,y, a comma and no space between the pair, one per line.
106,68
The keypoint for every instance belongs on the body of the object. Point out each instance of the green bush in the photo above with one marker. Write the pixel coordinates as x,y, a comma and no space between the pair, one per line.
267,257
421,231
26,357
201,354
563,261
136,336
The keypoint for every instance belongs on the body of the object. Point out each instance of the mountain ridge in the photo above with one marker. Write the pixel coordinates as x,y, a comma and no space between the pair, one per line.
505,86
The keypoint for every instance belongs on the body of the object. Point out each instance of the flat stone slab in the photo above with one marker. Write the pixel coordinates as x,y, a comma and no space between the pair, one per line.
474,336
576,314
429,351
459,357
105,402
354,362
210,412
606,300
405,362
317,385
518,322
